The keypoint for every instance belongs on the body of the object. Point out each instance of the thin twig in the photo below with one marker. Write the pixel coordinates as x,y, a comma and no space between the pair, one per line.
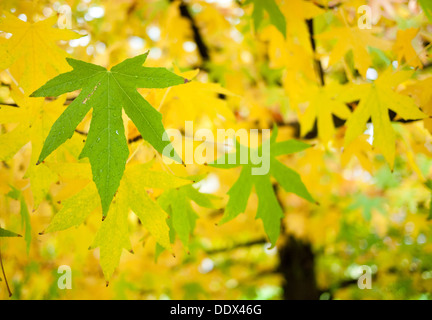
4,274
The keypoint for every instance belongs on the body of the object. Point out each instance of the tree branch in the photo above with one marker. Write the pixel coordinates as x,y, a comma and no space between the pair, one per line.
201,45
259,241
317,63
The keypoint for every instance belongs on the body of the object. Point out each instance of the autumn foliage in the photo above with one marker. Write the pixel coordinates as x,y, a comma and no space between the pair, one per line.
90,90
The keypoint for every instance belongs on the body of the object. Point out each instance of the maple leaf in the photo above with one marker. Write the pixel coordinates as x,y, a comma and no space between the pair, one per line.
357,41
113,235
422,95
74,210
293,52
275,15
368,204
34,118
360,148
269,209
323,103
296,12
180,104
176,202
32,50
108,92
404,48
376,99
8,234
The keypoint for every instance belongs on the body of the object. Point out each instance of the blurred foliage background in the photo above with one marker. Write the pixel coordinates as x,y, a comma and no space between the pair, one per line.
368,213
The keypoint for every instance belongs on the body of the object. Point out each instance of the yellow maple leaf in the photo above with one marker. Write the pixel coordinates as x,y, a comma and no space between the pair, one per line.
31,53
421,93
194,102
323,103
404,48
297,61
113,235
296,12
360,149
34,118
356,40
376,99
293,53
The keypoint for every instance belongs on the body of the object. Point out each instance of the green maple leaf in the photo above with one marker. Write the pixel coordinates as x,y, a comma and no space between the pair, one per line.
177,203
269,209
368,204
276,16
108,92
6,233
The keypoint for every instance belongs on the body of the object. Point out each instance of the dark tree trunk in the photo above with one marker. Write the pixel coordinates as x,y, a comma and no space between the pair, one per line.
297,265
